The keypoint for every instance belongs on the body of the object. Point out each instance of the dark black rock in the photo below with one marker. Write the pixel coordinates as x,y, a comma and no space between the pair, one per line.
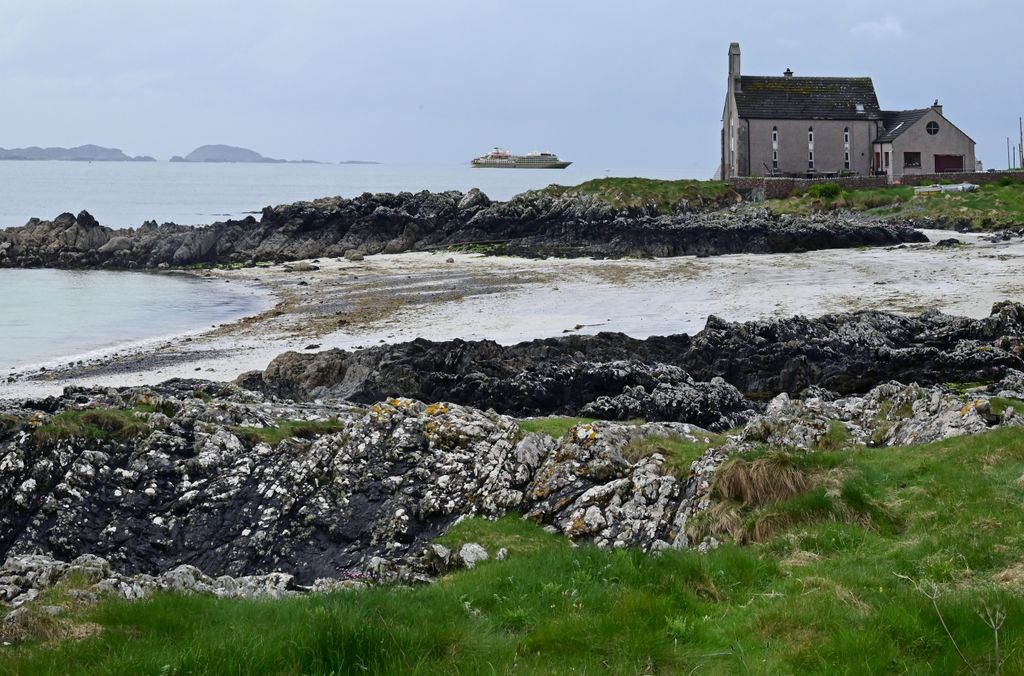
531,224
848,353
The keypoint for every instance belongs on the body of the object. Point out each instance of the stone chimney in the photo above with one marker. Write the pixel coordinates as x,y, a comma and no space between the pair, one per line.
787,74
734,66
937,107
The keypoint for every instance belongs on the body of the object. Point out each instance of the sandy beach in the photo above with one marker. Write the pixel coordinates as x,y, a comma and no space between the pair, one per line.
335,303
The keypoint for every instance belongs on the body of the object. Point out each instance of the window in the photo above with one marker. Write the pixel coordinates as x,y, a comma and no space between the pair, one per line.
810,148
846,148
775,147
860,107
932,128
912,160
732,148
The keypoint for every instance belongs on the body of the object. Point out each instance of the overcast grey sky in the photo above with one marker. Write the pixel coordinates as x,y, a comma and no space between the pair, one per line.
627,83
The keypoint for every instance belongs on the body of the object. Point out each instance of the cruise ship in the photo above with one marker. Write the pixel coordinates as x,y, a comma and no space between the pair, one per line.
502,159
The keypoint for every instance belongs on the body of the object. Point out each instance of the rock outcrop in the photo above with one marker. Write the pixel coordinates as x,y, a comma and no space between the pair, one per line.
532,224
891,414
205,487
549,377
665,378
189,480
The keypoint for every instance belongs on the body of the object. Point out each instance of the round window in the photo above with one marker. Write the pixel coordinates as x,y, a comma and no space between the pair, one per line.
932,128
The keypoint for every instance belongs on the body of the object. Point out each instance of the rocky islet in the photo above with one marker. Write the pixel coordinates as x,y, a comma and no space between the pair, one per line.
536,223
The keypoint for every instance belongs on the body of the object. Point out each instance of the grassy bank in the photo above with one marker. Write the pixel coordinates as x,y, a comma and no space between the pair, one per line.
993,207
665,195
890,546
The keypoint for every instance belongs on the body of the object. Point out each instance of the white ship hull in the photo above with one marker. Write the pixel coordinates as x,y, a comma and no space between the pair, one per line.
502,159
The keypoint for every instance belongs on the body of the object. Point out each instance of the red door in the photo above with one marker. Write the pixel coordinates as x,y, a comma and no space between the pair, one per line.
944,163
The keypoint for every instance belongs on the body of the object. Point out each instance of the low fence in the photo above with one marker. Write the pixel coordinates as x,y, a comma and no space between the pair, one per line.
757,188
979,177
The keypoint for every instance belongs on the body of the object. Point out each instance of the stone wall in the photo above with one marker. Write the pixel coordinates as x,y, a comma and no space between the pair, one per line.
756,189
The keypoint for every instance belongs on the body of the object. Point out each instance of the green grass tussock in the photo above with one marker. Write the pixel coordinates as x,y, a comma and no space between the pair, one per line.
93,423
554,426
679,453
288,429
845,547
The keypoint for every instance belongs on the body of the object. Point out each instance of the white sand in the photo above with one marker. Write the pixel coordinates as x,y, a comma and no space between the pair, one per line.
405,296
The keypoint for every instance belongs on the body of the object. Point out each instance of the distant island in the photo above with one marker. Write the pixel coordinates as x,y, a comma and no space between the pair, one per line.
223,153
207,153
86,153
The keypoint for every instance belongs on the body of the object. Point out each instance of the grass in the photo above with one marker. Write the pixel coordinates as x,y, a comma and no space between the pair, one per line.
93,423
665,195
993,207
819,593
10,423
553,426
287,429
836,438
678,451
999,404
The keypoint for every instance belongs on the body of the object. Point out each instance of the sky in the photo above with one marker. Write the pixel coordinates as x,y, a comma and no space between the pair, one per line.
614,84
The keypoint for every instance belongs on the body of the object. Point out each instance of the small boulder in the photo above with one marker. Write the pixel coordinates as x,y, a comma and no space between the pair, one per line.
471,554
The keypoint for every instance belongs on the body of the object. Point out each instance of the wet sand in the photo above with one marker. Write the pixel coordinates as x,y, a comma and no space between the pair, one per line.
443,295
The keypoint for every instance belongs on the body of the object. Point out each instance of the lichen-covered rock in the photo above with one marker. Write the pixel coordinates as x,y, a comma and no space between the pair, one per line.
201,494
889,415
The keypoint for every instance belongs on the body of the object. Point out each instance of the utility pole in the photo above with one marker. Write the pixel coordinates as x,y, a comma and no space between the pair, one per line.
1020,147
1008,165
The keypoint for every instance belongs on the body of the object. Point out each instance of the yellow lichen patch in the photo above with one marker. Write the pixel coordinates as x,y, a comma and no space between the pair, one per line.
970,405
436,409
585,434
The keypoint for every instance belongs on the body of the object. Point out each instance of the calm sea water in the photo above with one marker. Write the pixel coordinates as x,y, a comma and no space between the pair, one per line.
46,314
121,194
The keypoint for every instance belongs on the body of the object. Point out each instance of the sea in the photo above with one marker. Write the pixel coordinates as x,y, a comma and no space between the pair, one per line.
51,316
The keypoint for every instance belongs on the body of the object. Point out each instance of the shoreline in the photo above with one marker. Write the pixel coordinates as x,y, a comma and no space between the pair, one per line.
392,298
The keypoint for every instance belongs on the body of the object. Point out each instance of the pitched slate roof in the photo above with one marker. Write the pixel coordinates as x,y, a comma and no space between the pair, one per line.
807,98
895,122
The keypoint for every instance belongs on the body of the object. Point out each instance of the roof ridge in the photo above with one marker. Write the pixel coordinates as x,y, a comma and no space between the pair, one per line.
812,77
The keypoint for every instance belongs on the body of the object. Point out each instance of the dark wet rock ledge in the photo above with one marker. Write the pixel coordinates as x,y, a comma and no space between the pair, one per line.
706,379
531,224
